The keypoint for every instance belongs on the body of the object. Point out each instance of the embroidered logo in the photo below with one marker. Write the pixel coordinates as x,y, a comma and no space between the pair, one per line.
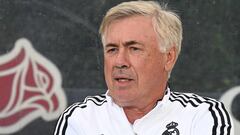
171,129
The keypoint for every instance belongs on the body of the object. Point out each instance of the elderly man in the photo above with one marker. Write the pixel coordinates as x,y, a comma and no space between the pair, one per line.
141,42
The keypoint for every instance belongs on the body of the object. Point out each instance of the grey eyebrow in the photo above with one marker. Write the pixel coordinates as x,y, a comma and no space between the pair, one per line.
132,42
126,44
110,45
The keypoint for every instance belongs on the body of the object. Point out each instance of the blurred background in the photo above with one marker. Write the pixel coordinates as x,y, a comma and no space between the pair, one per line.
66,33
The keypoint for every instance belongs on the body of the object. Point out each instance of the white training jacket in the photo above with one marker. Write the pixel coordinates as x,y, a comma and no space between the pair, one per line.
176,114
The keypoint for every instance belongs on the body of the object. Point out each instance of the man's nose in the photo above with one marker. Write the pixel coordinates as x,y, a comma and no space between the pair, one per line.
122,59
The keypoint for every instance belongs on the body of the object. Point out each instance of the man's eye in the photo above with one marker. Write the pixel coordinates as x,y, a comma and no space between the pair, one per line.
112,50
134,48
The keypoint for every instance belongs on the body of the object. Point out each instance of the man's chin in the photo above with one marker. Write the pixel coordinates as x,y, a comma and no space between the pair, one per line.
121,97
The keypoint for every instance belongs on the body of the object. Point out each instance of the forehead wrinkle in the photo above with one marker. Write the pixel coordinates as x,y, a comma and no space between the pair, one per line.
131,42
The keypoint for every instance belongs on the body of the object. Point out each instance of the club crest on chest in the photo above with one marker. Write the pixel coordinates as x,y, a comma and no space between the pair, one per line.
171,129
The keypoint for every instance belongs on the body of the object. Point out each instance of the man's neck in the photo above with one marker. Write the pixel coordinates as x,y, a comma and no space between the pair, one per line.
134,113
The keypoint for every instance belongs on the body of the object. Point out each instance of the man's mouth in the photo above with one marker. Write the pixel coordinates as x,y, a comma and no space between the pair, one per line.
121,79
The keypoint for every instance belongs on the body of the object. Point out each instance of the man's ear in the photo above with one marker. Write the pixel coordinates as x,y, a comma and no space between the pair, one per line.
171,58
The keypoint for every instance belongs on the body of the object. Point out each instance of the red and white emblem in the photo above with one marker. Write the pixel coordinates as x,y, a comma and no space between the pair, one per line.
30,87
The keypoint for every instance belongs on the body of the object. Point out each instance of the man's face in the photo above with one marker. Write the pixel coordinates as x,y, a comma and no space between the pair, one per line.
134,67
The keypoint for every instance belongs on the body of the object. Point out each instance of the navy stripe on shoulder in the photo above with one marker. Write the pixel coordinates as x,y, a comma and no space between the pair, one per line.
63,120
60,128
97,100
220,115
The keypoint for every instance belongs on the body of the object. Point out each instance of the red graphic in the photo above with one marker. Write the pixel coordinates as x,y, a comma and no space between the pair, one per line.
30,87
